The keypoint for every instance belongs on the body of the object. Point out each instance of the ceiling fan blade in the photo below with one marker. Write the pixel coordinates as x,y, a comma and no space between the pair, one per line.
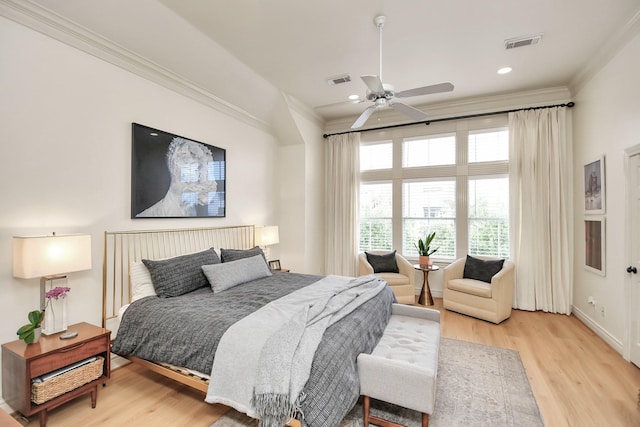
426,90
373,83
340,103
414,113
363,117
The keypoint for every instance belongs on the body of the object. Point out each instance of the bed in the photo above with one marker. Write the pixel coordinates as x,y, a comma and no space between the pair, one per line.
195,334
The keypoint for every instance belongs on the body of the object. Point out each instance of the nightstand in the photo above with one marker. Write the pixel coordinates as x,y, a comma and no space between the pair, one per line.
21,363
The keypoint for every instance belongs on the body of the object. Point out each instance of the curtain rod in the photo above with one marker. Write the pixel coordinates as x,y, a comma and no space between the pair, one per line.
445,119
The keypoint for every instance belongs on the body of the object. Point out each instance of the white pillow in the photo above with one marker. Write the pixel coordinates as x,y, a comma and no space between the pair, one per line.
141,283
229,274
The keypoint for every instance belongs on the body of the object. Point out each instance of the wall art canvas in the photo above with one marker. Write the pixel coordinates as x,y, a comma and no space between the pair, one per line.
594,189
594,247
175,177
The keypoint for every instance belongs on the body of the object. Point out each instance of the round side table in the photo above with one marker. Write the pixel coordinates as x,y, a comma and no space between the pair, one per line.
426,291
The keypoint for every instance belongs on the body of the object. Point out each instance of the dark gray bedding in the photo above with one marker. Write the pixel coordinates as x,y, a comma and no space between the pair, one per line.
185,331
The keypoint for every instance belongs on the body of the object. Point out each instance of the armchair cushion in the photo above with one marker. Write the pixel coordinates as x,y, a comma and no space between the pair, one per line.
471,286
385,263
480,269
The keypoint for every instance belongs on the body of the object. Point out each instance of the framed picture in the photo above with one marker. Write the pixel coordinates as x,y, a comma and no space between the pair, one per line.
594,188
175,177
594,245
275,264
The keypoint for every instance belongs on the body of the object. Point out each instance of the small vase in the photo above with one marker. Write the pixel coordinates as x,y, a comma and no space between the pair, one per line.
424,261
55,317
36,335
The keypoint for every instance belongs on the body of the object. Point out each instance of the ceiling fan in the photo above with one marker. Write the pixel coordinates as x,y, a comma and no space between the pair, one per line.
382,95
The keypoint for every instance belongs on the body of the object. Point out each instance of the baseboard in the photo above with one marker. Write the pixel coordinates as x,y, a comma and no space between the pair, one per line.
6,408
615,343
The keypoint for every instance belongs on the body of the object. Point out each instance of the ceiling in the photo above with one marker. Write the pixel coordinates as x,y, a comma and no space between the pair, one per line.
294,46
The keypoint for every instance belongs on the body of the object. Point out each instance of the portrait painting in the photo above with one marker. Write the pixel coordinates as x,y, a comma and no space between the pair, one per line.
175,177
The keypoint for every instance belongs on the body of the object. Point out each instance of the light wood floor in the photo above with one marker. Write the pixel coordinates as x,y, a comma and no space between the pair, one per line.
578,380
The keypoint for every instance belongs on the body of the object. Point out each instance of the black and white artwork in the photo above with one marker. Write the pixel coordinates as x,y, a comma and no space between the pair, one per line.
594,190
175,177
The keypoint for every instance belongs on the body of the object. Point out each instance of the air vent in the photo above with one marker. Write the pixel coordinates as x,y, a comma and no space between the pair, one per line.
522,41
345,78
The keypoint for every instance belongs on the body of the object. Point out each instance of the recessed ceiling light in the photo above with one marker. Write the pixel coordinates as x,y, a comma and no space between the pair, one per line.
354,97
504,70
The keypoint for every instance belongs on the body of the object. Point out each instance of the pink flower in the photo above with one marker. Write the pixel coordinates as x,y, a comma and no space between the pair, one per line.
57,292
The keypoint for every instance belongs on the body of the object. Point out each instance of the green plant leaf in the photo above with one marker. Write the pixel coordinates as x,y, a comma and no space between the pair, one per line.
35,317
29,337
25,329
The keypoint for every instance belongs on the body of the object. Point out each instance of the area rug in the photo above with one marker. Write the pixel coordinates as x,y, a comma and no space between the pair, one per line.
478,385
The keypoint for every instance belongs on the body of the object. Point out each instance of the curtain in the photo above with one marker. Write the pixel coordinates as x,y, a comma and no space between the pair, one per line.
540,182
342,189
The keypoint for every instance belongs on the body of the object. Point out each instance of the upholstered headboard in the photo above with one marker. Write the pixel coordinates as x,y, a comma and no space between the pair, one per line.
121,248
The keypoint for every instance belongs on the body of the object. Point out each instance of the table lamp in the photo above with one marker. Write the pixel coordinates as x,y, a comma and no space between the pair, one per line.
50,258
265,236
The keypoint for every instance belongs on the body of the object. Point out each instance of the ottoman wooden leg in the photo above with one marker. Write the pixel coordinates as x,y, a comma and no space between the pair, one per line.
370,419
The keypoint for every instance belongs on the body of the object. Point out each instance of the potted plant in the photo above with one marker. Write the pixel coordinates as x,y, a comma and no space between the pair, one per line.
424,248
30,332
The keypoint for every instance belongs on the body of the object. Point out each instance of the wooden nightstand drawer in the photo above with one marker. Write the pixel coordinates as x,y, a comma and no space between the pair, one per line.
68,355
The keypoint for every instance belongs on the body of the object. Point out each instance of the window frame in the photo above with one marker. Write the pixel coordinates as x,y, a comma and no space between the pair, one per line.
460,172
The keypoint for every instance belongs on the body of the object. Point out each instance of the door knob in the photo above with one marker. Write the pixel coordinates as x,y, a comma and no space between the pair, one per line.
632,269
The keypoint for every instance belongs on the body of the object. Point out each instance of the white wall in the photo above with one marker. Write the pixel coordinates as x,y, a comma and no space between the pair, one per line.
65,134
606,122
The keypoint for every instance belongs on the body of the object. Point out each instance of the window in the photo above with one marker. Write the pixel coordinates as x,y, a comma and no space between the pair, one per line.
489,216
376,156
375,216
429,206
439,150
488,146
453,181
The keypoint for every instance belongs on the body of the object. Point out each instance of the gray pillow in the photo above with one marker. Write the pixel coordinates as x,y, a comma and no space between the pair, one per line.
228,255
480,269
180,275
385,263
229,274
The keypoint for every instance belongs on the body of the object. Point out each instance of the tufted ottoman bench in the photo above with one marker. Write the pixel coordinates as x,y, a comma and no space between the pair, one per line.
403,367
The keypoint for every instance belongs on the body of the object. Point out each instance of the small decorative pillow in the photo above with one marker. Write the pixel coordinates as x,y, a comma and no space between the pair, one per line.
141,283
480,269
385,263
180,275
228,255
231,273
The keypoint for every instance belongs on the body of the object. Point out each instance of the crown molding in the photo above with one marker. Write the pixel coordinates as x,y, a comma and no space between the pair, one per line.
296,105
66,31
606,53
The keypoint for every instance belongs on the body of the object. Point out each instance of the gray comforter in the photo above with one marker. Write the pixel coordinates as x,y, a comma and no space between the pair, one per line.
185,331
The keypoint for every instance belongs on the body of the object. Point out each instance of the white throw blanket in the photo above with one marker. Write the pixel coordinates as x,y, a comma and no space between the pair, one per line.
271,350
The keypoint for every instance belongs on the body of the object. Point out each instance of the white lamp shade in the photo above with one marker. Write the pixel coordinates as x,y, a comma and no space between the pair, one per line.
266,236
51,255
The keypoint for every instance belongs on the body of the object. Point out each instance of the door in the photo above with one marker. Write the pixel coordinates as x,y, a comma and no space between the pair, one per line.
632,269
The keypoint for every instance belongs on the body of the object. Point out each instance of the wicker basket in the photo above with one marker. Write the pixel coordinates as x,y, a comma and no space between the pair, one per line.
55,386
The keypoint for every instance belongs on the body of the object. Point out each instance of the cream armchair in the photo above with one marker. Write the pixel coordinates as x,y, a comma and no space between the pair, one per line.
476,298
402,283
